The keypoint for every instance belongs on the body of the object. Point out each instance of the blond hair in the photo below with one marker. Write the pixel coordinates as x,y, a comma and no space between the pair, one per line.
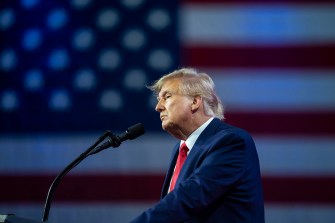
194,84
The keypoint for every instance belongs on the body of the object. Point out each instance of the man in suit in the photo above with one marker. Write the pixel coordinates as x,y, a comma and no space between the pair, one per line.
215,176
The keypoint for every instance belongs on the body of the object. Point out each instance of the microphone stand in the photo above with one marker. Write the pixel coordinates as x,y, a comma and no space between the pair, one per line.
115,143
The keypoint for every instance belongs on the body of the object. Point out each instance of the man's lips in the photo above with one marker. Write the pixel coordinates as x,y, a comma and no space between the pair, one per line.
162,117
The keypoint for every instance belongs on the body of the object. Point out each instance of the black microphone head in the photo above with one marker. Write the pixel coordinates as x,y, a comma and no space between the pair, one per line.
135,131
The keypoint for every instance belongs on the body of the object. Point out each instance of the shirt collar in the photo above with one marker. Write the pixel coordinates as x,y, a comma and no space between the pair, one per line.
190,141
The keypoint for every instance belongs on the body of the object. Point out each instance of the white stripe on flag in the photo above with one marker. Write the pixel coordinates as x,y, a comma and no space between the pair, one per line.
279,155
275,90
257,24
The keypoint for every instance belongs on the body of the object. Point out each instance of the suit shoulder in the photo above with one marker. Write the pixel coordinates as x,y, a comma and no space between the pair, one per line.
224,130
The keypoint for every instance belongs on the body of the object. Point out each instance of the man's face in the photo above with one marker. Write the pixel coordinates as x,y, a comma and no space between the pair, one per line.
174,108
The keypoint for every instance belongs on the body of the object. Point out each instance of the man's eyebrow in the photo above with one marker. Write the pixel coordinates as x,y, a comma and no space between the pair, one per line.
162,94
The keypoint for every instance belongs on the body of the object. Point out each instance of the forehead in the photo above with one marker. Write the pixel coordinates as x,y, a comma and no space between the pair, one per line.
169,86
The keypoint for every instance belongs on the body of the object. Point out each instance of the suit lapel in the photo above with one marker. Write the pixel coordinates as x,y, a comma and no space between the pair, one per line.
197,149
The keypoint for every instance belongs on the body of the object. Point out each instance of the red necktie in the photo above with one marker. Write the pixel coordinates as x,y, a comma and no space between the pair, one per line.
180,161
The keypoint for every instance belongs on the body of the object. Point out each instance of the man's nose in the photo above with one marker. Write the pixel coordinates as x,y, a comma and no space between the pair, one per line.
159,106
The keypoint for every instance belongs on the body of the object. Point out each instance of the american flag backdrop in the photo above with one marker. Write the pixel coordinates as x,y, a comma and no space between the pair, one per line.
69,70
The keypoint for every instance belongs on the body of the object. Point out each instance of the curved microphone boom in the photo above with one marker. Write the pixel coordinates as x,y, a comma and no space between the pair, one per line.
113,141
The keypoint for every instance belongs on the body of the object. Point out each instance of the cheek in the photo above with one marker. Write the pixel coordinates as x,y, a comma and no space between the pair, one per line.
179,110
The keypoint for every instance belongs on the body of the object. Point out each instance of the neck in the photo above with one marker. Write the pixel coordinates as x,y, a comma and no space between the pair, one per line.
184,134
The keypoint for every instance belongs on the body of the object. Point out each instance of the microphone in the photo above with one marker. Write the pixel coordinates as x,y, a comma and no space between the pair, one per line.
132,132
115,141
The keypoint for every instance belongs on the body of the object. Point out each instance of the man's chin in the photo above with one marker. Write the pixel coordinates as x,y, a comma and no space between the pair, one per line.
166,125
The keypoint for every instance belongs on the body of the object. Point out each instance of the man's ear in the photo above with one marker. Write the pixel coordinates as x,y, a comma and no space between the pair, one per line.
196,103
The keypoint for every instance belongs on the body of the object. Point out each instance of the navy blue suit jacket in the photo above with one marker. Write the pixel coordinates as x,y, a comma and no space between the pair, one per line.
219,182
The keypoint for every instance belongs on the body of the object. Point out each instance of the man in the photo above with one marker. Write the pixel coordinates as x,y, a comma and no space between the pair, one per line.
220,180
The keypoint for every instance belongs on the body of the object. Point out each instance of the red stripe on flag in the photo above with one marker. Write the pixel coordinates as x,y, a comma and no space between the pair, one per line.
146,188
281,123
299,189
81,188
305,56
